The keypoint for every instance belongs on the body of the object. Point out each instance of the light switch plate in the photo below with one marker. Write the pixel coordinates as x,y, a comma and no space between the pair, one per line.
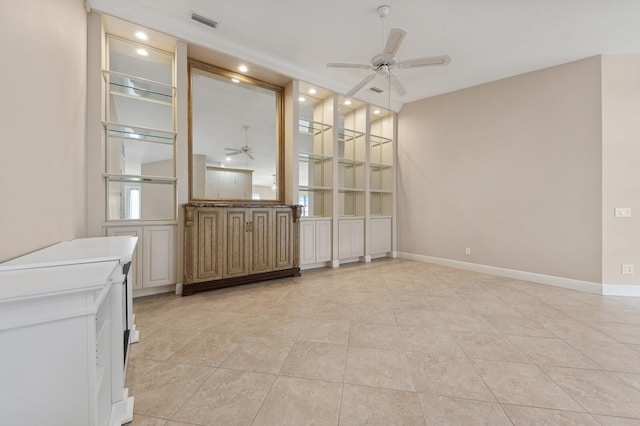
623,212
627,269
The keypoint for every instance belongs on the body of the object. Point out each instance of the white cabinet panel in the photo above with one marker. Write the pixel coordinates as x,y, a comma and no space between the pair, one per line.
323,240
315,241
380,235
134,231
307,242
154,259
350,238
158,255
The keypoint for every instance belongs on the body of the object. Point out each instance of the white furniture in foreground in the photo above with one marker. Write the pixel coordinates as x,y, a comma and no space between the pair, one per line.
63,334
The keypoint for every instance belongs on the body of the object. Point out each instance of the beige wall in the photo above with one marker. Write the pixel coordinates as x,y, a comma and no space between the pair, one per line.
43,84
620,166
510,169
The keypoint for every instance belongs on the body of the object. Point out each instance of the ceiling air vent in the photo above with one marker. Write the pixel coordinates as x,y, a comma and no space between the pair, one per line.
206,21
376,89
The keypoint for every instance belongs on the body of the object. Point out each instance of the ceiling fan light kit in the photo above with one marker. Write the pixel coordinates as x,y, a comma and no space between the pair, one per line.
385,62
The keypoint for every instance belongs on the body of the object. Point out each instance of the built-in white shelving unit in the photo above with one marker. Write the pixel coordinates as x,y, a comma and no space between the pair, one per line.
346,159
139,156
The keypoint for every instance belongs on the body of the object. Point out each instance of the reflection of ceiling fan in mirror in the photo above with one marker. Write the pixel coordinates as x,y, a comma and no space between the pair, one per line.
246,150
384,63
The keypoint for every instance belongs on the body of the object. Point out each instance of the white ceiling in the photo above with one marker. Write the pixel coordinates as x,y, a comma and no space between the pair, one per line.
487,39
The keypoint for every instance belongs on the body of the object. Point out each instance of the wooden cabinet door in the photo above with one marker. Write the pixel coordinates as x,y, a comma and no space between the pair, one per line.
236,249
209,245
261,235
283,239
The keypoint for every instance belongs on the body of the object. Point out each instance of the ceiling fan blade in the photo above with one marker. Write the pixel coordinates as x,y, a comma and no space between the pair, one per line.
396,35
347,65
397,86
360,85
236,152
249,155
425,62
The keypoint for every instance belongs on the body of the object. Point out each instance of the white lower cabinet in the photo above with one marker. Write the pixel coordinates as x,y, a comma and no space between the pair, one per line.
350,238
315,241
154,261
379,235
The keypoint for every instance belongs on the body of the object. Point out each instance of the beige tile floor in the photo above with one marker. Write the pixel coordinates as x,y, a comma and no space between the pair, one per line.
393,342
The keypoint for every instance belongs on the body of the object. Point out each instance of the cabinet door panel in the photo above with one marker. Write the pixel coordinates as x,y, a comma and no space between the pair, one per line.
323,241
136,264
261,241
209,245
236,262
307,242
158,256
357,238
380,238
283,239
344,239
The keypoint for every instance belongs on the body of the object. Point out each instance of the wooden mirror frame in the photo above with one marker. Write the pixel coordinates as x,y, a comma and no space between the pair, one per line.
279,166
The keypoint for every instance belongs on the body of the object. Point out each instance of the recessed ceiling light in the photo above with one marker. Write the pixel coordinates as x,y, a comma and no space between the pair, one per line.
141,35
312,91
235,80
228,158
376,111
347,102
142,52
301,99
243,68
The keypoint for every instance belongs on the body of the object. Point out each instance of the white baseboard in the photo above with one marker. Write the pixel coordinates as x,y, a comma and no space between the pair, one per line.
621,290
568,283
315,265
154,290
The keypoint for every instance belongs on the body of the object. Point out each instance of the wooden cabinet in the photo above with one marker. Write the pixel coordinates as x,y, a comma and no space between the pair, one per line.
229,245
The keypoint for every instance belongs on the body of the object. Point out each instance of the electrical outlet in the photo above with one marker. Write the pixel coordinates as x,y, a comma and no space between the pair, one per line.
623,212
627,269
467,251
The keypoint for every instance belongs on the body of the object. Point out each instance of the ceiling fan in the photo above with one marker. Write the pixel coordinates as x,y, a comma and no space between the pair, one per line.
385,62
246,150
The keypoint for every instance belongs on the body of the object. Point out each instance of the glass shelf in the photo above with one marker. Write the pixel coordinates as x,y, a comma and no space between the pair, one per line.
136,178
139,88
346,135
313,128
378,140
311,157
314,188
142,134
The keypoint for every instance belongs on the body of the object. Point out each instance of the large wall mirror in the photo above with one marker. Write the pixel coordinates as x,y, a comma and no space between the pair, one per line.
235,136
